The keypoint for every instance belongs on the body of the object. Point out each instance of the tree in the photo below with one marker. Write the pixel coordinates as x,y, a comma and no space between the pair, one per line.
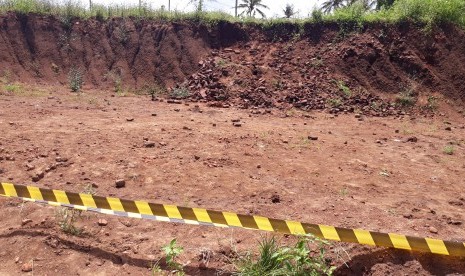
252,7
198,4
384,4
289,11
367,4
332,5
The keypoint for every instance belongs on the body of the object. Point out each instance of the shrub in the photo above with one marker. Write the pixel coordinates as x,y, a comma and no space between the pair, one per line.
430,12
406,98
317,15
75,79
180,92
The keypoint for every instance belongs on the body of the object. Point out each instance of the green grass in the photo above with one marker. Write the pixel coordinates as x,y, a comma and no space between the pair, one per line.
406,98
449,150
276,260
427,12
12,88
344,88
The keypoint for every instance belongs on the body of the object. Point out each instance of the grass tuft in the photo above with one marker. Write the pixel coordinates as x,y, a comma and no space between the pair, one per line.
275,260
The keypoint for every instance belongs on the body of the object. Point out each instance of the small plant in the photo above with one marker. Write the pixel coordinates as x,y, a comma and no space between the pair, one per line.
116,77
317,15
344,88
118,85
334,102
67,218
278,84
221,63
75,79
12,88
344,192
406,98
172,251
89,189
155,268
283,260
449,150
180,92
432,103
122,33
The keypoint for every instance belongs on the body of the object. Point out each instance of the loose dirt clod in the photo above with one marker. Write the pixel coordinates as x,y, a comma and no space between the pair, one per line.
27,267
26,221
102,222
38,176
149,144
275,199
120,183
412,139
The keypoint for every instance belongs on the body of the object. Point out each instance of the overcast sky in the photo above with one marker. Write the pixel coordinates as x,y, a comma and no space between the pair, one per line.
276,6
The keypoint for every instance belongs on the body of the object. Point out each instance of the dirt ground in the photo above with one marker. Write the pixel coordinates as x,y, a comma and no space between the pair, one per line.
361,172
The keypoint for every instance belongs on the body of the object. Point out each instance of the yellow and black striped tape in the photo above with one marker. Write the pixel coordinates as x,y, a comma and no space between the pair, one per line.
198,216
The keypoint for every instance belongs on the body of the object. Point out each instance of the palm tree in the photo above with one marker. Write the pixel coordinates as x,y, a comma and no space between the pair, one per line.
198,4
367,4
289,11
252,7
330,5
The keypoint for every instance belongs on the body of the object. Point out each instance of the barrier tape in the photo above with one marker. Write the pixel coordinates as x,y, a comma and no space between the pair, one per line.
199,216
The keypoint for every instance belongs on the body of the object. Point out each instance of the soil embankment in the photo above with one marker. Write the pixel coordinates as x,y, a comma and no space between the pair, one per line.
314,67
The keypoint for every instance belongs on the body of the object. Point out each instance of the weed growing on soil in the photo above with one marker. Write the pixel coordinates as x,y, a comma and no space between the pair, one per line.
432,103
317,15
180,92
155,269
172,251
12,88
283,260
154,90
122,34
449,150
344,88
67,218
221,63
334,102
406,98
75,79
